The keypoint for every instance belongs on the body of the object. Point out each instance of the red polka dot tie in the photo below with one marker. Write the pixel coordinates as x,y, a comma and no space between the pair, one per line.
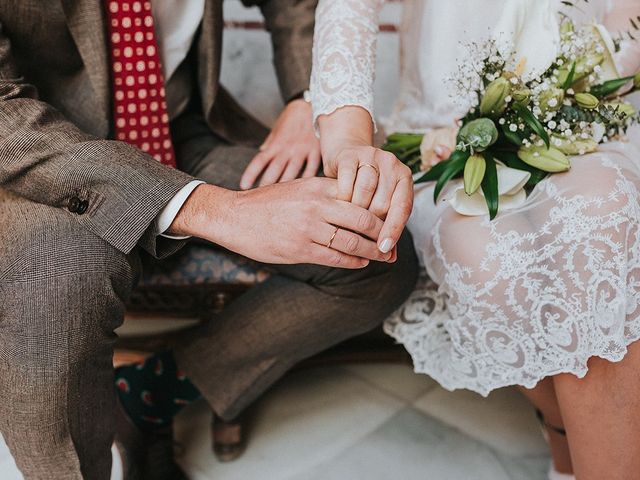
140,108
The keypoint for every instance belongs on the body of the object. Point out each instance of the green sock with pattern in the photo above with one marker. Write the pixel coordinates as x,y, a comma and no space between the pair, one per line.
153,393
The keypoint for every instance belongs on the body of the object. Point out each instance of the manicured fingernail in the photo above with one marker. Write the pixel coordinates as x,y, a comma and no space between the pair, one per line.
386,245
438,150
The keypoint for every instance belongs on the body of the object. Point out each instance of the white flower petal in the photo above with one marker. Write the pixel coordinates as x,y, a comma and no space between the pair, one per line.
598,131
511,180
511,184
469,205
609,68
510,202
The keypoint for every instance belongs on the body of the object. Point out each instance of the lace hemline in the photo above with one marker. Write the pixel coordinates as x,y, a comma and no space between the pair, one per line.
443,377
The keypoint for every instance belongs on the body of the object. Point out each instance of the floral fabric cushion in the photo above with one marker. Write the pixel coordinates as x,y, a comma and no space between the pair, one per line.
201,265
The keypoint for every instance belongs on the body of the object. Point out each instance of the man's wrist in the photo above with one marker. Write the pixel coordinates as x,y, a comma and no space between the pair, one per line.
204,214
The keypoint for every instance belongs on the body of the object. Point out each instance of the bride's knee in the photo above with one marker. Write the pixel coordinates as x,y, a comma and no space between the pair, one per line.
597,183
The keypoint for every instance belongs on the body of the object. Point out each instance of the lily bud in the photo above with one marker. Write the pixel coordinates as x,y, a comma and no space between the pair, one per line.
563,76
474,171
567,27
479,134
586,65
548,160
574,147
522,97
587,101
551,99
494,100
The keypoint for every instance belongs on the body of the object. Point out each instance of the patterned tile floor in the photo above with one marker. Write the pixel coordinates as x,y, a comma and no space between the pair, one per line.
373,422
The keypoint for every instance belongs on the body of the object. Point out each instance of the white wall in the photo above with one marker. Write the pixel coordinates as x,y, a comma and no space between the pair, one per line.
248,72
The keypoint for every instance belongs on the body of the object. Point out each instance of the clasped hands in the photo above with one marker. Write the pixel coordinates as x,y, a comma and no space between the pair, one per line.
294,222
353,215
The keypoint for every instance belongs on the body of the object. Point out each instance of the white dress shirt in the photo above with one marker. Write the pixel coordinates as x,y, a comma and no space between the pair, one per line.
176,23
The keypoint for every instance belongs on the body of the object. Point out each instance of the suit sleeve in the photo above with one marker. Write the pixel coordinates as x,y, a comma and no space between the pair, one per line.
291,24
47,159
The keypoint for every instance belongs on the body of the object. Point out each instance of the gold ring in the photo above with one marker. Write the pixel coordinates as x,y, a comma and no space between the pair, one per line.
333,237
370,166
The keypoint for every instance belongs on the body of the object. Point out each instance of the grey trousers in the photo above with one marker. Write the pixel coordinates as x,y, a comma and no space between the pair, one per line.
63,291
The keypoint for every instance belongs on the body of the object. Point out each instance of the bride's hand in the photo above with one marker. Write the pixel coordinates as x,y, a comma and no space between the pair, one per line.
376,180
368,177
437,145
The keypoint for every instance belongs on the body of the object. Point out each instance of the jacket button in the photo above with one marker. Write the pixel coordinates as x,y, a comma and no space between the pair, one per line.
84,205
74,204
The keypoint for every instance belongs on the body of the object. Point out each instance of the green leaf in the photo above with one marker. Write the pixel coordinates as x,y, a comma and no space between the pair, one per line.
490,185
512,137
510,159
433,173
405,137
607,88
455,165
569,81
534,124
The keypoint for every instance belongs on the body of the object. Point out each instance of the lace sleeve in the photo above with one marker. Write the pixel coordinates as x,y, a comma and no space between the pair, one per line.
344,54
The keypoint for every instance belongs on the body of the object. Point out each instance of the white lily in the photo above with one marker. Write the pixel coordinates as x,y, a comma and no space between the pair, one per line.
511,183
609,68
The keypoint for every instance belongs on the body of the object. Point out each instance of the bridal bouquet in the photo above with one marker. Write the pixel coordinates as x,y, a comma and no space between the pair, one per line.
523,126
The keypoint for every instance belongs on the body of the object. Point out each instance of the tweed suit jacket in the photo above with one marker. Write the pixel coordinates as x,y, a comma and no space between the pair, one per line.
56,124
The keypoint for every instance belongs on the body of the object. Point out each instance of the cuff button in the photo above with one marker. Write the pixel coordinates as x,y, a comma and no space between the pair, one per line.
84,205
74,204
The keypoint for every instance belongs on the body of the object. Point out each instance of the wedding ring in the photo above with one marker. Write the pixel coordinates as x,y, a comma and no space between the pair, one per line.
333,237
370,166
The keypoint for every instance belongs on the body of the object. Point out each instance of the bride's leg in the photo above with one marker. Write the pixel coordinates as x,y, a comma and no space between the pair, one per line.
543,397
601,416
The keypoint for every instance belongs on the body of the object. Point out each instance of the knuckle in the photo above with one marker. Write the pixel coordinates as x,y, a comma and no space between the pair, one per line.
366,222
315,184
305,229
369,186
405,207
387,158
379,211
337,259
352,244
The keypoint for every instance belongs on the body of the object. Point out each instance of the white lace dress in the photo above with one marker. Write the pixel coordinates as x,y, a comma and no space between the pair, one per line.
537,291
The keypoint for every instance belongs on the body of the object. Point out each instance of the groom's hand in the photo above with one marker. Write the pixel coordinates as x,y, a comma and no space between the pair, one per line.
296,222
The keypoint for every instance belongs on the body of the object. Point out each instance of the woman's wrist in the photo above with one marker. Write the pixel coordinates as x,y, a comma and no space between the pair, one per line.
347,127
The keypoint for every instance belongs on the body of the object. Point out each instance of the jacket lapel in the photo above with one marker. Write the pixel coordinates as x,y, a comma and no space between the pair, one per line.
86,22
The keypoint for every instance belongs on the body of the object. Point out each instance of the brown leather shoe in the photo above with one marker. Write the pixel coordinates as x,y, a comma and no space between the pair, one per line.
145,456
229,438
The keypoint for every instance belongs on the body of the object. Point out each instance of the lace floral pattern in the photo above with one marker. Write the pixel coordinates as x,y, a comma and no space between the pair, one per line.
344,54
539,291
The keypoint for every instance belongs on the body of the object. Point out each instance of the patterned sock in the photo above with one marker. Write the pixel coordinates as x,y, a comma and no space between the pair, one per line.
154,392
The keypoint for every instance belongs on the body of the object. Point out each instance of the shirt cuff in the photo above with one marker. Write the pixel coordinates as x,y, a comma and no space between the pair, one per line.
168,214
